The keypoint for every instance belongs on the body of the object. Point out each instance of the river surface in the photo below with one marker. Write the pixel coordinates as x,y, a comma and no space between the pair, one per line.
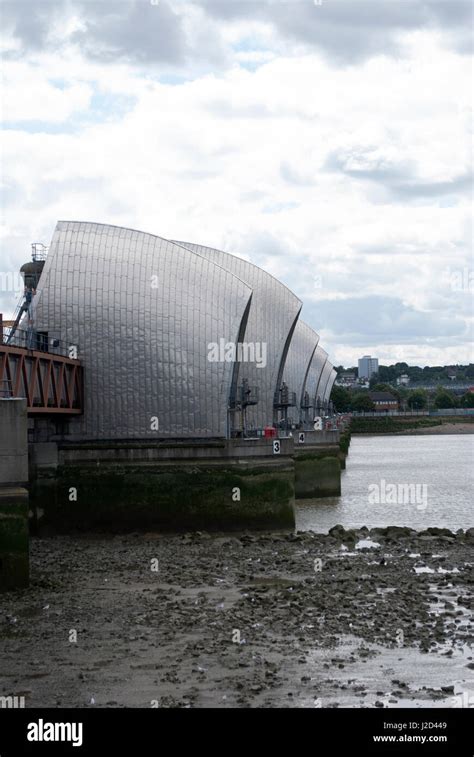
416,481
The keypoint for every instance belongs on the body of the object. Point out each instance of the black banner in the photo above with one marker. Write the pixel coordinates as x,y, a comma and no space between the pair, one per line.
143,731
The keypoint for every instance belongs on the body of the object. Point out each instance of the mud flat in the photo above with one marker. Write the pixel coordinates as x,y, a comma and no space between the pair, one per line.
379,618
445,428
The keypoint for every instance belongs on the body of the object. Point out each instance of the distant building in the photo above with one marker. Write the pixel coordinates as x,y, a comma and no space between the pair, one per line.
383,401
346,378
403,380
368,366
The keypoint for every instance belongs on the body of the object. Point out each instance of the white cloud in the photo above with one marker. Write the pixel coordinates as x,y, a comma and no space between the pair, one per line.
299,165
28,96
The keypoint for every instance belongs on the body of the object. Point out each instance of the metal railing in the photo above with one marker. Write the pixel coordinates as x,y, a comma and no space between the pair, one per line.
281,399
416,413
246,395
39,341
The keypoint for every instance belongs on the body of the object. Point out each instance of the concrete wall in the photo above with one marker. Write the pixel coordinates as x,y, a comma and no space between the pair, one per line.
317,477
13,442
318,437
182,484
122,486
318,464
14,559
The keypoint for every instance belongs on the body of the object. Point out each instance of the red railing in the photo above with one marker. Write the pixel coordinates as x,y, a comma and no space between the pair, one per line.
50,383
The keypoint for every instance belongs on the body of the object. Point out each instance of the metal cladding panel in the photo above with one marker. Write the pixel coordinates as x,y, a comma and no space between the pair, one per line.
332,378
326,372
314,373
142,312
302,346
274,311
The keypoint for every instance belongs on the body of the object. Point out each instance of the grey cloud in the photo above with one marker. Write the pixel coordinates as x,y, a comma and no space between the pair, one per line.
349,31
399,180
135,30
126,30
30,21
368,168
458,185
261,245
375,320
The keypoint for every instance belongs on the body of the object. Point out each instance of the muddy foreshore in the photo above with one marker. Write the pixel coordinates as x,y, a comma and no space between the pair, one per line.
249,620
444,429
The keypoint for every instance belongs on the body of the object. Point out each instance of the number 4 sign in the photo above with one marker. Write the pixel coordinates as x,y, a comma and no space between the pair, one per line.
301,437
276,447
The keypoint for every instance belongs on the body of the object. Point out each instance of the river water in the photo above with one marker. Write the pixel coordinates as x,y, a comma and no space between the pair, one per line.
416,481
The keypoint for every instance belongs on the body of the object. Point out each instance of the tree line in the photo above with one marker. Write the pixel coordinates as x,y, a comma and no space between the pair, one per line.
388,374
346,400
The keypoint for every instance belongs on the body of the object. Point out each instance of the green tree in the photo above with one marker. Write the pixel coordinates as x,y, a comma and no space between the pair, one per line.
373,380
341,398
362,403
467,400
417,399
387,374
444,399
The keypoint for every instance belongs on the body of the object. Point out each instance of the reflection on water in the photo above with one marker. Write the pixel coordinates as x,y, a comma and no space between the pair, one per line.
440,467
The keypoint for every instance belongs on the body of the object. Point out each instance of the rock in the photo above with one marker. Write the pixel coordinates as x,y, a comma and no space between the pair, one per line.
337,532
438,532
350,535
227,541
395,532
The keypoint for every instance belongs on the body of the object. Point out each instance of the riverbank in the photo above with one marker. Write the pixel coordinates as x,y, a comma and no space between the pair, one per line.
353,618
454,427
406,426
443,429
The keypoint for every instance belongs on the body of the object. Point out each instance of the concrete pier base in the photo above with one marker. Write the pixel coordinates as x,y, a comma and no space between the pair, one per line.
14,556
318,465
14,560
317,476
223,485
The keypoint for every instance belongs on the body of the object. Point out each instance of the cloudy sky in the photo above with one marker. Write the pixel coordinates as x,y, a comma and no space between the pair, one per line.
329,144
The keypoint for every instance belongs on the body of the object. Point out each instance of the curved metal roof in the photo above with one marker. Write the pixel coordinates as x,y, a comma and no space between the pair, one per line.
329,385
143,311
298,362
273,315
314,373
325,374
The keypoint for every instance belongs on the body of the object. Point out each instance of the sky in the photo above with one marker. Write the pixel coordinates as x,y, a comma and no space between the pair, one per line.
329,143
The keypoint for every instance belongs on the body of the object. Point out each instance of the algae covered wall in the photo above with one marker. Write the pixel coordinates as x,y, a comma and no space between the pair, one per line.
14,547
317,474
147,488
221,484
